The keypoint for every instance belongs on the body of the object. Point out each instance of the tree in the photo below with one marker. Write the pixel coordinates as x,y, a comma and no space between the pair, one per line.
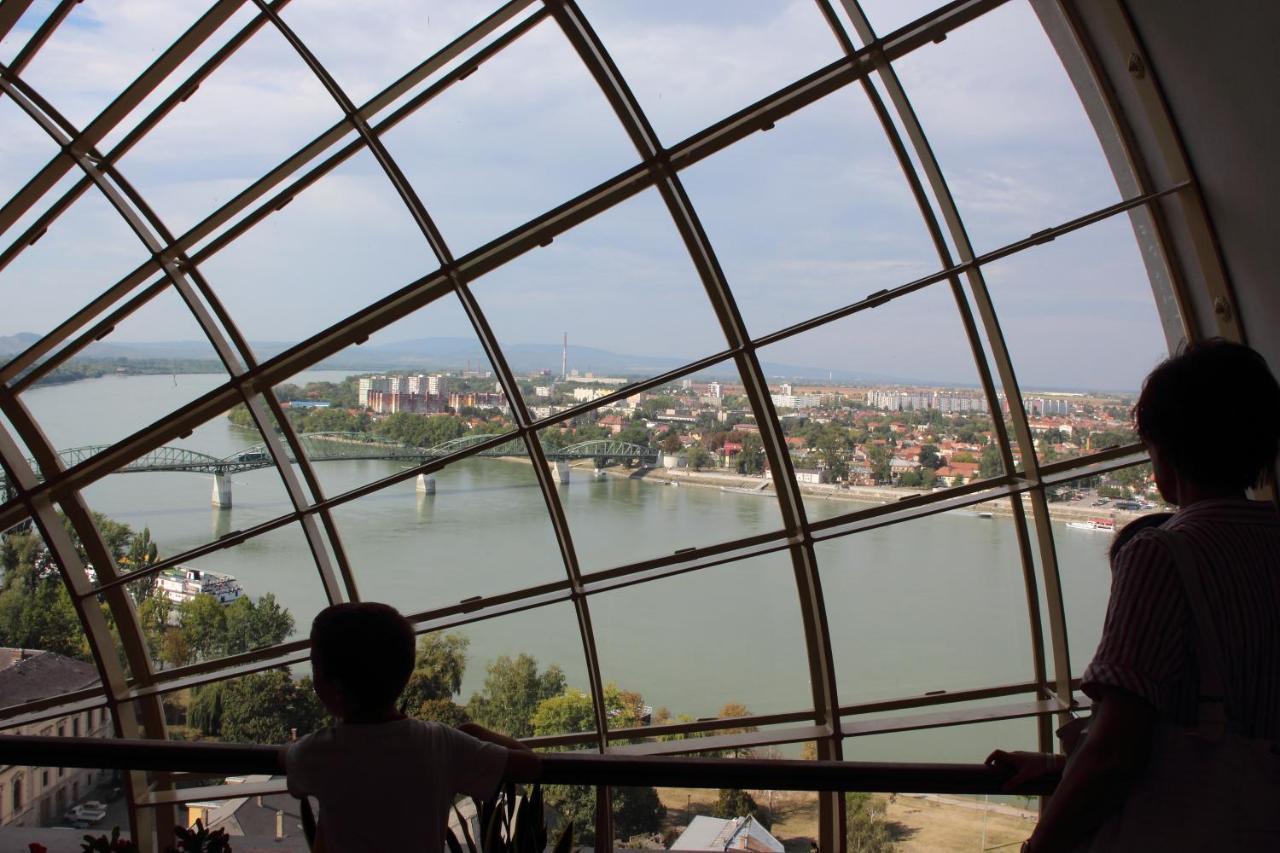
255,625
878,459
264,707
991,464
153,615
929,457
636,810
698,458
441,711
833,445
734,802
866,830
671,442
513,692
204,711
174,649
751,459
204,625
438,667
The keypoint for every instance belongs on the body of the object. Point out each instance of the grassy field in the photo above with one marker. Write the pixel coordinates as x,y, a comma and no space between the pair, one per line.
918,824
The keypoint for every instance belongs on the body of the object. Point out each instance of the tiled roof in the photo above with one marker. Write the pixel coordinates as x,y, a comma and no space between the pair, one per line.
30,674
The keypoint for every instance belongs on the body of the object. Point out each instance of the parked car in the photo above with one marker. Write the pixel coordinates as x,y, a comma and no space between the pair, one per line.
85,814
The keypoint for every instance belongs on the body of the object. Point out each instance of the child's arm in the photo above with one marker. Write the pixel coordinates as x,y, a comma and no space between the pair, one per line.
523,764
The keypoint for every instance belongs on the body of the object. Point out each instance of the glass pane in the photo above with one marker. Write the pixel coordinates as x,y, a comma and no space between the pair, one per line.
1087,517
928,605
37,799
570,313
24,148
191,492
890,404
338,246
261,707
127,378
414,543
256,109
16,38
1078,391
622,510
260,592
526,674
397,399
179,76
811,215
691,64
671,614
942,822
37,615
368,47
116,41
505,144
1017,150
85,251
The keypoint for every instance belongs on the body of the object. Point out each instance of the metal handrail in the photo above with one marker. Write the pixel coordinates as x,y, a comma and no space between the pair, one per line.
560,768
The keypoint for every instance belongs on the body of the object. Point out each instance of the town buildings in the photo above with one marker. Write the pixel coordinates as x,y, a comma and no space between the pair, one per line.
36,796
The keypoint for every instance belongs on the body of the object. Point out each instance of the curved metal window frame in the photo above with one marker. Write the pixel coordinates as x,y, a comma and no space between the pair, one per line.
132,690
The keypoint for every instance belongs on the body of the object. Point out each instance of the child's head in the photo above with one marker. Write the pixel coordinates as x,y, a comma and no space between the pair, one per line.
1210,416
361,655
1133,528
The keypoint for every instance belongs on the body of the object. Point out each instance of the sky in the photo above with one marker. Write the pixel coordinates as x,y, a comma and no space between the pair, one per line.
812,215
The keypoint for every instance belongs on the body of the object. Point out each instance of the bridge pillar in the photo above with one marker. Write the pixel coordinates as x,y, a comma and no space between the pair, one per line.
560,468
426,484
221,491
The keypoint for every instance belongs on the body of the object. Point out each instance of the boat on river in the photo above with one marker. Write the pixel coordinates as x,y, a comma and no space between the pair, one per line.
183,583
1104,525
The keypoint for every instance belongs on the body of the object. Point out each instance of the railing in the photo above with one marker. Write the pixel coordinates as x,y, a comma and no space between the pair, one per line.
557,768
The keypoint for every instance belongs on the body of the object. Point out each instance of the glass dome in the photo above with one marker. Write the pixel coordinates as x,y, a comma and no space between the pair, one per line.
758,371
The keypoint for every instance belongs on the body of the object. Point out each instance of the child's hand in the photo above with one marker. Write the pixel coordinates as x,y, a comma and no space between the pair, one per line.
1025,767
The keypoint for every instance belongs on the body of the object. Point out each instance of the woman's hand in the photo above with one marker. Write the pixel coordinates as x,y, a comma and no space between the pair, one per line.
1026,767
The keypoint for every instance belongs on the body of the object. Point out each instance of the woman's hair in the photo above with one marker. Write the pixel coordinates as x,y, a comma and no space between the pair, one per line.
366,649
1212,413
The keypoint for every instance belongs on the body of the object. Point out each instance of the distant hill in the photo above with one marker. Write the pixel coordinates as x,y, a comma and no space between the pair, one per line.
443,353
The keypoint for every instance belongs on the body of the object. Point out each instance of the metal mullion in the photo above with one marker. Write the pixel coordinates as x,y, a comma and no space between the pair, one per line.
179,94
685,560
1063,28
133,95
966,317
42,33
74,576
308,152
808,585
11,12
912,507
731,740
95,332
53,707
138,216
1004,366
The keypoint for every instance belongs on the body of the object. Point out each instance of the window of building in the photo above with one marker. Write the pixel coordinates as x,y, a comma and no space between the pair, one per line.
17,794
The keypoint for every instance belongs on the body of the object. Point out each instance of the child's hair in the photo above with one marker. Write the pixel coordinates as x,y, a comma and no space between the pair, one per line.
366,650
1213,413
1133,528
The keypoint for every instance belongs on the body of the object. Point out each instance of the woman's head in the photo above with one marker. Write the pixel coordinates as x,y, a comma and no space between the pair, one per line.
1211,417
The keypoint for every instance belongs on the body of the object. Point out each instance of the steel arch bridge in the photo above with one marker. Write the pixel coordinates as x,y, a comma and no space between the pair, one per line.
341,446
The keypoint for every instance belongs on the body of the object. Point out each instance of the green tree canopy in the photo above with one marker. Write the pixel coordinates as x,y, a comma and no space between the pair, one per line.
255,625
264,707
439,665
513,691
734,802
991,464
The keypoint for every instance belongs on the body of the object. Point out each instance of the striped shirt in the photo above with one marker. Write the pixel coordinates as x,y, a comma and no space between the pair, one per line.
1148,640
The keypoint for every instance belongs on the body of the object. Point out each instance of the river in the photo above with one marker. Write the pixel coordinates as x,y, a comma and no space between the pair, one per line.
934,604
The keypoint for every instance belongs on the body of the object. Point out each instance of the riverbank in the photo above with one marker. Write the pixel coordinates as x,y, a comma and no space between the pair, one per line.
875,495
